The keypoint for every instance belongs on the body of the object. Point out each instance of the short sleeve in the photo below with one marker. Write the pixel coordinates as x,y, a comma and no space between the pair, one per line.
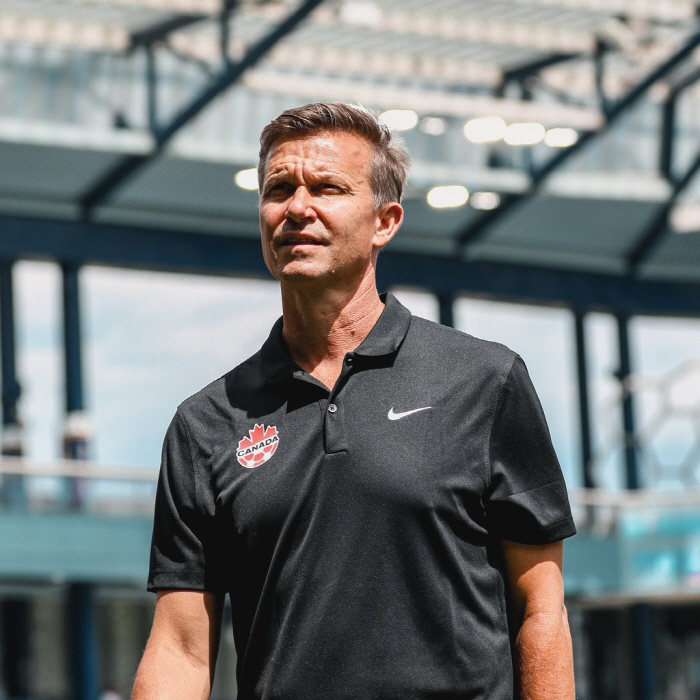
527,500
185,553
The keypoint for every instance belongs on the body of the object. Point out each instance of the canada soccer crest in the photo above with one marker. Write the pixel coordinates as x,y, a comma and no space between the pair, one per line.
258,447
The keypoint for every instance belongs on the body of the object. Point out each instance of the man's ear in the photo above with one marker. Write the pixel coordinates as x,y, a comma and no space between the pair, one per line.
389,220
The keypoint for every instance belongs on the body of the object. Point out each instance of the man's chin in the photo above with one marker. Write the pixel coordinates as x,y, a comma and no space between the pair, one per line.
298,273
306,273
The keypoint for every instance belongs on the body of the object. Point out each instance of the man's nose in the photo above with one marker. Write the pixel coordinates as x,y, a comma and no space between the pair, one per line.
300,205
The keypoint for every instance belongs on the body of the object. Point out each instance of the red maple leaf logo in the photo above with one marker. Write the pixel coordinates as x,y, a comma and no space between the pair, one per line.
260,444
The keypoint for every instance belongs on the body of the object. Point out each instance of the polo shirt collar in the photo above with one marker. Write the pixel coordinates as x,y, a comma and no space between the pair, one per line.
276,362
389,331
385,338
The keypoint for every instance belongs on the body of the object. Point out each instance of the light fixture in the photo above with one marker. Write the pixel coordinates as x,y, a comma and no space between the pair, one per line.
685,218
448,196
524,134
399,119
485,201
247,179
433,126
366,14
485,129
560,137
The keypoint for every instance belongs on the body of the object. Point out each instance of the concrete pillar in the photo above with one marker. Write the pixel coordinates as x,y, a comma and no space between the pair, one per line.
15,613
446,303
643,652
628,423
583,400
13,492
76,429
641,615
82,643
15,638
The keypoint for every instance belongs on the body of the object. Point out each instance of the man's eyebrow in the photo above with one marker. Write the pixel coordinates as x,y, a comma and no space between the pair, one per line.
274,178
330,174
278,172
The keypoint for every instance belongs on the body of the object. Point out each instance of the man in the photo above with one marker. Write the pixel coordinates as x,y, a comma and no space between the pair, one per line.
377,494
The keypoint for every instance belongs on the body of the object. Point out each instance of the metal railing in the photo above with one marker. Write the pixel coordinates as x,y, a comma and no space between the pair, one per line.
31,486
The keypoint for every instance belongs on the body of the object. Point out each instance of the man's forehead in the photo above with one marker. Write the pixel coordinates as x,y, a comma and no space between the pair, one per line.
326,149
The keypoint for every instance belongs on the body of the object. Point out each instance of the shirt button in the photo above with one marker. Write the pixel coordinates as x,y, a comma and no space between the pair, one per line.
332,408
349,360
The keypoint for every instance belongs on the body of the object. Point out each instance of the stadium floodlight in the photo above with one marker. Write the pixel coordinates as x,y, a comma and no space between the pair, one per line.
366,14
399,119
685,218
448,196
433,126
247,179
485,201
524,134
485,129
560,137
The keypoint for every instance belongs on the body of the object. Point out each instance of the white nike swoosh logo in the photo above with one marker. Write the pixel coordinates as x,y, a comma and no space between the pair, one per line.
395,416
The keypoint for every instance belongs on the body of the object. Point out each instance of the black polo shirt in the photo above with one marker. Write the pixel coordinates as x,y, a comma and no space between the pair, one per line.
357,531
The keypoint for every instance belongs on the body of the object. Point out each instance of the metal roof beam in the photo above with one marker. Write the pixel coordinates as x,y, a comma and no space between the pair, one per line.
531,68
659,225
614,111
666,146
227,10
675,10
128,166
159,30
85,243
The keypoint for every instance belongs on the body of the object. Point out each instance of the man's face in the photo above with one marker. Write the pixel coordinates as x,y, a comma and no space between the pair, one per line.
317,217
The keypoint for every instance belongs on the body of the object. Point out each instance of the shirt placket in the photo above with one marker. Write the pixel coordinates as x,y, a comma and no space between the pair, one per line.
334,410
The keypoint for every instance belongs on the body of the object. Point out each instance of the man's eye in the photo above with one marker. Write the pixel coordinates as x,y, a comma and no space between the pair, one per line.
278,188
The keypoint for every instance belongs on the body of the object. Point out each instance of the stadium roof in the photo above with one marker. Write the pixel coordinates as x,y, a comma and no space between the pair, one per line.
127,121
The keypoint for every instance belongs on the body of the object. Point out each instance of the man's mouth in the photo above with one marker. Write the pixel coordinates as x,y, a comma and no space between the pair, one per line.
298,240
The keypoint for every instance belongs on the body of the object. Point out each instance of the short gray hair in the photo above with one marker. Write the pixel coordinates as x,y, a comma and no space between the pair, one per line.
391,163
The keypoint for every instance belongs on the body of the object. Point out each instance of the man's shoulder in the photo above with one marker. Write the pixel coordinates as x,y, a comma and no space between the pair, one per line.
445,340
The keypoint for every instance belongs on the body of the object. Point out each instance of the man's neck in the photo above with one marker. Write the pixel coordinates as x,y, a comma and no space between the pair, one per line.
321,327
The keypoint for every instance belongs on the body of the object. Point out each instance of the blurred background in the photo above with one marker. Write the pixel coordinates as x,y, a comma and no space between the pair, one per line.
553,206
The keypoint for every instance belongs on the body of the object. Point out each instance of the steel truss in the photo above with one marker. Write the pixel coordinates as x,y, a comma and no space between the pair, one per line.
229,73
612,111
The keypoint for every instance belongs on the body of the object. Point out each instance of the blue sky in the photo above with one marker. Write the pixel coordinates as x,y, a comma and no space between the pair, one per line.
152,339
